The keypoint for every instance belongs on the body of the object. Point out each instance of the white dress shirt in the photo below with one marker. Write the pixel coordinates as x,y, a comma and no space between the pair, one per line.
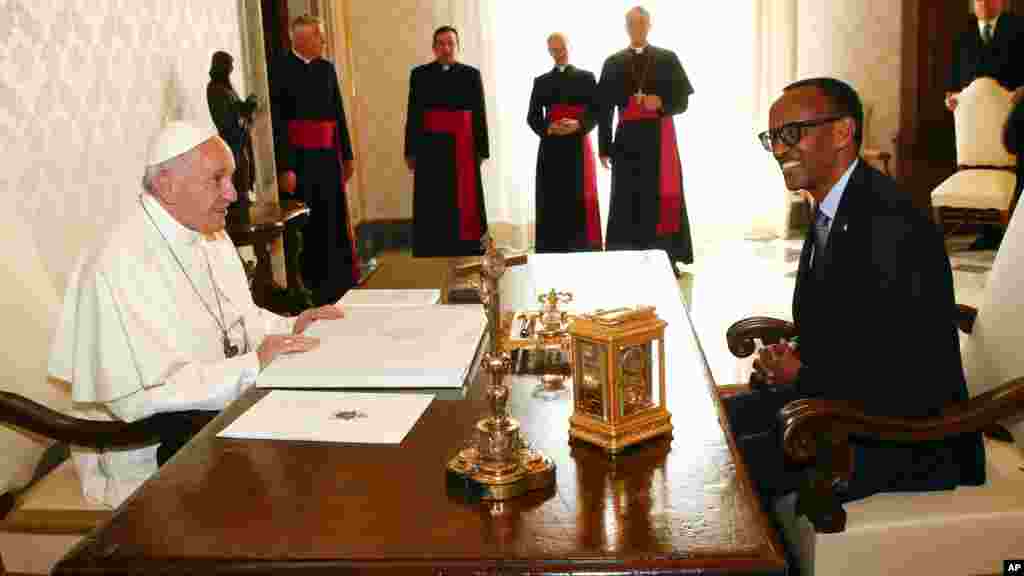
135,339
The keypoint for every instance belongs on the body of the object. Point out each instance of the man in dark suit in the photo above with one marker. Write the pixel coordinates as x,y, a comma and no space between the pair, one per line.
990,48
562,112
873,307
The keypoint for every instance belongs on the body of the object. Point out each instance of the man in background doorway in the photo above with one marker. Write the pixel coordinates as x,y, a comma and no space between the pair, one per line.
445,142
990,48
562,112
314,159
649,87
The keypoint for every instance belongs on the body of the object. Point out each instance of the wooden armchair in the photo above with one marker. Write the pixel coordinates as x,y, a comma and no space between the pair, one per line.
969,530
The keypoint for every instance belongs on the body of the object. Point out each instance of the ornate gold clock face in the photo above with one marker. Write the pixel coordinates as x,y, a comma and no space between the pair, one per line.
634,379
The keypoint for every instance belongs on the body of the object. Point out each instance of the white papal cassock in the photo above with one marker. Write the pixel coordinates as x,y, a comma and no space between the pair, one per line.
134,338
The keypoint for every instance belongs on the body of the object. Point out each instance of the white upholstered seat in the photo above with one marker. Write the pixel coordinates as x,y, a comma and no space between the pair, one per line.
985,179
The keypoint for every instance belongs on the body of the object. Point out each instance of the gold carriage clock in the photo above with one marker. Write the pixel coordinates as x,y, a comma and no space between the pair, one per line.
618,378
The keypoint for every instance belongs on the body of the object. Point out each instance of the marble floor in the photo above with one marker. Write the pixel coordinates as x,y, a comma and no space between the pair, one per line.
731,280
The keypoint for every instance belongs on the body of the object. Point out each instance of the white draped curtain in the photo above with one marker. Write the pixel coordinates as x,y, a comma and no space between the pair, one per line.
738,55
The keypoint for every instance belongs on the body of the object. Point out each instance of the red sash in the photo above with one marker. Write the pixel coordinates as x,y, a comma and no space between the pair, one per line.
593,215
311,134
671,177
460,124
319,135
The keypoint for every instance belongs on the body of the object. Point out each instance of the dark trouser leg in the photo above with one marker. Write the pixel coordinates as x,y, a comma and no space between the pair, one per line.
752,418
177,428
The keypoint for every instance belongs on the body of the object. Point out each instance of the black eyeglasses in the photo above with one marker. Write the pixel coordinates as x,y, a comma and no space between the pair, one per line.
790,134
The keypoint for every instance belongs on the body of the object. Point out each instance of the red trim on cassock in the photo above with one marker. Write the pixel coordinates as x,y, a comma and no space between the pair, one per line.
320,135
460,124
593,215
671,176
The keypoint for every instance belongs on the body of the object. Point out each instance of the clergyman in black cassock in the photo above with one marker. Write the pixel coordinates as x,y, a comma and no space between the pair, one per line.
648,87
445,142
563,112
312,141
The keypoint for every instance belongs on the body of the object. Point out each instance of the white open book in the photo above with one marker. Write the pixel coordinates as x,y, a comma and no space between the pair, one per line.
390,298
386,347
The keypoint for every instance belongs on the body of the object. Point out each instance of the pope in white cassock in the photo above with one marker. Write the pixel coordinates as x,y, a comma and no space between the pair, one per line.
160,320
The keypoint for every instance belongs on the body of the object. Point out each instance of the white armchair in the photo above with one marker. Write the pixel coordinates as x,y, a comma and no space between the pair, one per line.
982,189
39,524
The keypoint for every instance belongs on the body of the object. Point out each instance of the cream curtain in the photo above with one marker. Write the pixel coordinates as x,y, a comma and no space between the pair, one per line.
738,55
339,51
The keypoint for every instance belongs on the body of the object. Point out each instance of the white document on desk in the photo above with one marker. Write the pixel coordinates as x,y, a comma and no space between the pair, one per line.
330,416
390,298
376,347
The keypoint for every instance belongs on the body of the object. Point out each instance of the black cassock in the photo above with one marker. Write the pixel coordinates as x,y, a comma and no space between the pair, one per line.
446,134
311,138
647,207
566,194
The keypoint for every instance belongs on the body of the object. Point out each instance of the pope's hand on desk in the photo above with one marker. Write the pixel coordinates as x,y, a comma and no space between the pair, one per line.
778,364
311,315
276,344
652,101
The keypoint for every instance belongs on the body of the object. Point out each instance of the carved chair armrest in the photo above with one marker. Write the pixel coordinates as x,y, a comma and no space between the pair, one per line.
820,430
740,336
23,413
965,317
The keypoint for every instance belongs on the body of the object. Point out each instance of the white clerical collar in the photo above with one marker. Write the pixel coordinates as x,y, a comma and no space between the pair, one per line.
174,231
561,67
993,22
445,67
639,50
301,57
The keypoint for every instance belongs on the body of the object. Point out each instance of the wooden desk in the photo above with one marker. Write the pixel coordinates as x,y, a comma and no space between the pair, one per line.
265,507
258,227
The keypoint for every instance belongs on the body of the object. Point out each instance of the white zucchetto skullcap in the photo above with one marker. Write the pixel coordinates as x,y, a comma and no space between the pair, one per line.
175,139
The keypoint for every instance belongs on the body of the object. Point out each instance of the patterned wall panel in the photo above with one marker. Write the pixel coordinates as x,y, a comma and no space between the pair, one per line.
83,86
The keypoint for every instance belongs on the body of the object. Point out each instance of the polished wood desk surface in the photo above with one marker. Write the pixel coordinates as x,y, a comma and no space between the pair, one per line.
220,505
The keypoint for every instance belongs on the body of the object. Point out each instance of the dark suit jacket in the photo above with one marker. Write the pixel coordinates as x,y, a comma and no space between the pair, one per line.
876,318
575,86
1001,60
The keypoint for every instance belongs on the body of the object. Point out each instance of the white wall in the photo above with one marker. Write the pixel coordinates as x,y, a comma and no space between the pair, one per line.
859,41
83,86
388,39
